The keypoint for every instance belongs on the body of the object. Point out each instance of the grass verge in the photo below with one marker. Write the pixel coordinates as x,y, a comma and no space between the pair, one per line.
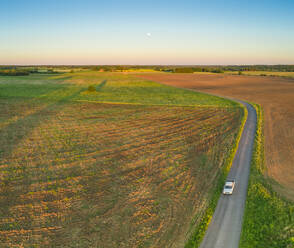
201,226
268,219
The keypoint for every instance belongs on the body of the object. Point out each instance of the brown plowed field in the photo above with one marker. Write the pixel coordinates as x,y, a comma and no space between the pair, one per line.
102,175
274,94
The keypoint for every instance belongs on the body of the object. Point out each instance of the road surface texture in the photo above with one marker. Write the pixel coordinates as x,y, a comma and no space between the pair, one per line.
225,227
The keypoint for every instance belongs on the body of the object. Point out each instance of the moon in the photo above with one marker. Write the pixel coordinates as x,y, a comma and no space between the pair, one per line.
148,34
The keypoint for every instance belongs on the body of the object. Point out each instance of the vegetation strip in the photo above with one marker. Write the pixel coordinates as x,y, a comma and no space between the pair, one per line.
200,229
269,218
150,104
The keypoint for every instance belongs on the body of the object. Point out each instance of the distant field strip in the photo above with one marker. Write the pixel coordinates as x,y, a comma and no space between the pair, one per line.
265,73
85,174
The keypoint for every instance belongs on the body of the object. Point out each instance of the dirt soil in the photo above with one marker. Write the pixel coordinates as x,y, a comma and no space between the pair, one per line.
101,175
274,94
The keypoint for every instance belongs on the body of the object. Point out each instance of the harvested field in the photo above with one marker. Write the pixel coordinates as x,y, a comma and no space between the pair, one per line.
83,174
275,95
265,73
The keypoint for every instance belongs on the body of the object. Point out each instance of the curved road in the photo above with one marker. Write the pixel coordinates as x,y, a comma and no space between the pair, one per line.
225,227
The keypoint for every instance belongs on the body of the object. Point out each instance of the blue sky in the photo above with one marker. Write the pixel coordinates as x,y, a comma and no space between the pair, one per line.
146,32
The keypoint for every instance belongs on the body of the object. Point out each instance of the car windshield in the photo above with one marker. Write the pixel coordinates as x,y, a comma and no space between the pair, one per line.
228,187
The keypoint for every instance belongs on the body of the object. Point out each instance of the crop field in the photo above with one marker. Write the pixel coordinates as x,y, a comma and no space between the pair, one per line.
275,96
268,219
131,165
265,73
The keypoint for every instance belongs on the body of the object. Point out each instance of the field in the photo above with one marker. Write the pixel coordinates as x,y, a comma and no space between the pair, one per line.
275,96
268,220
264,73
133,164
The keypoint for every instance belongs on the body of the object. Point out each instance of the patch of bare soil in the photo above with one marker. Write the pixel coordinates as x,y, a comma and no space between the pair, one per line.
274,94
103,175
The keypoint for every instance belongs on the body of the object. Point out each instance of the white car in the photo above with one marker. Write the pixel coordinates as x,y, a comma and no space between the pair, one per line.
229,187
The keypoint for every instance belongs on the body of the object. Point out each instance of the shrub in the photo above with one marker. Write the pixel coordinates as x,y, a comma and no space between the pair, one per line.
184,70
240,73
91,88
217,71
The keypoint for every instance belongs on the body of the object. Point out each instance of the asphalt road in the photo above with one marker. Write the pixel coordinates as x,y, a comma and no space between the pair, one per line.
225,227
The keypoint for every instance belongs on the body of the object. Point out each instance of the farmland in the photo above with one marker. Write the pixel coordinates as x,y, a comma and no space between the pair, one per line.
274,94
265,73
133,164
268,220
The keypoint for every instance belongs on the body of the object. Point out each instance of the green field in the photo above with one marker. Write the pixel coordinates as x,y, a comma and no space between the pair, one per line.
268,219
132,164
111,88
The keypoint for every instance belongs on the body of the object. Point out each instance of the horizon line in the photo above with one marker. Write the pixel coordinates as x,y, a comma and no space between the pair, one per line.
145,64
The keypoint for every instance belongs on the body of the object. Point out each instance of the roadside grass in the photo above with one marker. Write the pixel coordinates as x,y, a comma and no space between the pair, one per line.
89,174
269,218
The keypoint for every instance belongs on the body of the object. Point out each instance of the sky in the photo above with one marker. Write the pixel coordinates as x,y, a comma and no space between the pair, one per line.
186,32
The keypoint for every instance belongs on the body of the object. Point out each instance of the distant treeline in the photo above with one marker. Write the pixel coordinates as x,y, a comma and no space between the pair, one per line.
197,69
45,71
13,72
192,69
51,69
24,71
286,68
174,69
